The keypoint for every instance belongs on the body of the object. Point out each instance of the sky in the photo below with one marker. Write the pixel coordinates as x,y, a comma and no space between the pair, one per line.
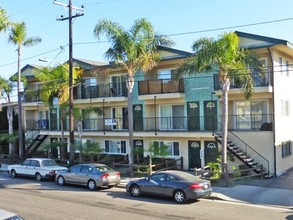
184,21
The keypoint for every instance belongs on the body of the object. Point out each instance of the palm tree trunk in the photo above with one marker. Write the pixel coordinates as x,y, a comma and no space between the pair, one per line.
130,130
130,85
10,128
20,129
225,90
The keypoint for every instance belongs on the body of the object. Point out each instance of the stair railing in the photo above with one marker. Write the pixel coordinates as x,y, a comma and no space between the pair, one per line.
30,136
246,149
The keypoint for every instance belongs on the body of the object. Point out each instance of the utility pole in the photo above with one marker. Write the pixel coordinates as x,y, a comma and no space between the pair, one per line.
70,78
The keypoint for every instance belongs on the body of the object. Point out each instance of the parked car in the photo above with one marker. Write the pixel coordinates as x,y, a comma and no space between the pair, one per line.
91,175
39,168
179,185
7,215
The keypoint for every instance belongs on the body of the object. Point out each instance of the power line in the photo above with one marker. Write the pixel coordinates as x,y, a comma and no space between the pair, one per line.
231,27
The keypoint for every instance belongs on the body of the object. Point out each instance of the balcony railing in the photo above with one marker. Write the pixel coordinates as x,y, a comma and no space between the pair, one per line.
259,80
160,86
255,122
100,91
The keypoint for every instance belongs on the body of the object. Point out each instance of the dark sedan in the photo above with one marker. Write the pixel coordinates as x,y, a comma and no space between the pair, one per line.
180,186
90,175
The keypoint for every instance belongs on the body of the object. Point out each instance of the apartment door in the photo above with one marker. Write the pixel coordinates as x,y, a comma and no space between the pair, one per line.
210,113
194,154
138,150
137,117
193,116
211,151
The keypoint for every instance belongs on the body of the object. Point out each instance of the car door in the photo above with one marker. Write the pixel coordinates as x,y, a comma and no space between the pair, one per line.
34,167
84,175
72,174
154,185
21,168
27,168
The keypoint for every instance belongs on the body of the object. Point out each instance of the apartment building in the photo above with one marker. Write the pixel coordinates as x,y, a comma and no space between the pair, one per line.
181,112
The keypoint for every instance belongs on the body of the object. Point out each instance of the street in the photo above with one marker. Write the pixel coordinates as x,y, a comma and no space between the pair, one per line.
47,200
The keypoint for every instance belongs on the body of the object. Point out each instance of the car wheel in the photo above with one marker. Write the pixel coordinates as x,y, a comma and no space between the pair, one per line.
60,180
179,196
38,177
13,174
135,190
91,185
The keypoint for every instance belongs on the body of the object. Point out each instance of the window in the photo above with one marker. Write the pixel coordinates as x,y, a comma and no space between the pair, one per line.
286,148
172,117
118,85
250,114
287,67
90,88
285,107
33,163
75,169
115,146
26,163
172,148
120,115
166,74
90,121
158,177
86,169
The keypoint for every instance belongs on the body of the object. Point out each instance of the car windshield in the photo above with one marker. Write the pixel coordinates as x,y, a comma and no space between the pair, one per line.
103,168
48,163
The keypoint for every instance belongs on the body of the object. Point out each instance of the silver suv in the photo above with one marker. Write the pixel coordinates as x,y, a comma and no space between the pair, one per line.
39,168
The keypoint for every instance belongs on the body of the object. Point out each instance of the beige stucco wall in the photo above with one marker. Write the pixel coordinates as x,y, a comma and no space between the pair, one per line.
262,142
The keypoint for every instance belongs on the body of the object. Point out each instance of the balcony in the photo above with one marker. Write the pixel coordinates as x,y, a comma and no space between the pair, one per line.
100,91
259,80
246,122
255,122
161,86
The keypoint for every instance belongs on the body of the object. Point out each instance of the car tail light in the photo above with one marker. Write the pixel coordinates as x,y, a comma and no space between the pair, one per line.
52,172
195,186
117,174
105,176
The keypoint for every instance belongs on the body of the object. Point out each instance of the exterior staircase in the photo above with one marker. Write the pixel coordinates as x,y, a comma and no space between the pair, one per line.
34,140
250,157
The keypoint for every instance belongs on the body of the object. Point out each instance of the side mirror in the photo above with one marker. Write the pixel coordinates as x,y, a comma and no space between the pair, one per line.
147,179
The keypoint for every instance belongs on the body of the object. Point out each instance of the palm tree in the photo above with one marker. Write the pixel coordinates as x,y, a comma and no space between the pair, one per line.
79,115
4,21
18,37
223,53
55,85
6,88
133,50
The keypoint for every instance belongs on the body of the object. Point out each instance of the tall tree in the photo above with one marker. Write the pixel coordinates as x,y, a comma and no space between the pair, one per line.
6,88
134,50
231,61
55,85
4,21
19,38
79,116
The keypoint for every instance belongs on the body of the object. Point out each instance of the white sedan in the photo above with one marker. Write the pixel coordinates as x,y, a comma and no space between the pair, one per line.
39,168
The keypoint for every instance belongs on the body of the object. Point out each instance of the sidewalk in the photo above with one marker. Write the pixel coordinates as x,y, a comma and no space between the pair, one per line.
277,191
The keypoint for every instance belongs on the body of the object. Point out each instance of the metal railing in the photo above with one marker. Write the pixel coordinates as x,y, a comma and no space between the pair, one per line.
247,122
263,79
245,148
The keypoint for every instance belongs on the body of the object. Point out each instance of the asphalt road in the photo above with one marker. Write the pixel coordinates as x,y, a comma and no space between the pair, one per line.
46,200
